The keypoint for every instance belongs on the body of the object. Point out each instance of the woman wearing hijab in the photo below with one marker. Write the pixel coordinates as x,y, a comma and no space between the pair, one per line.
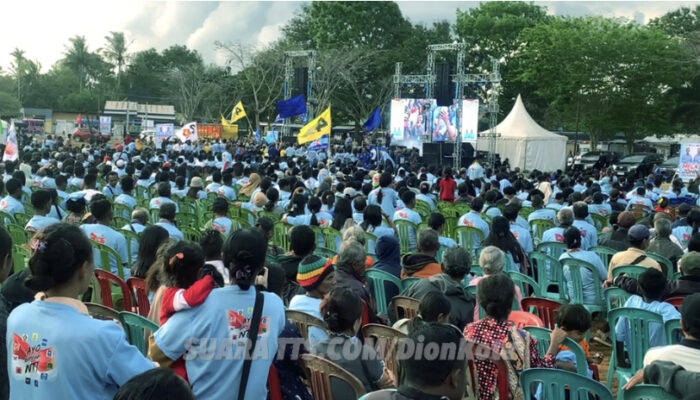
253,183
388,260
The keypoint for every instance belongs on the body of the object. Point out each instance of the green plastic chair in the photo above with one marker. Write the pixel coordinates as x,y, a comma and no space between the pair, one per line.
639,321
599,222
674,333
552,249
543,340
118,222
268,214
575,267
281,235
17,234
557,384
132,239
107,256
154,213
476,270
525,211
406,230
549,273
408,282
324,252
20,257
615,297
440,252
333,238
247,216
632,271
450,226
646,392
522,281
370,243
666,264
538,227
187,206
121,210
469,289
185,219
136,328
191,233
461,209
376,279
422,208
6,218
470,238
22,218
605,253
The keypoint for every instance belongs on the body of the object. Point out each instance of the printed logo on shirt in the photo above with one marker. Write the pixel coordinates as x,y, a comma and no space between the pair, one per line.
559,237
98,239
467,222
3,204
238,325
33,359
219,228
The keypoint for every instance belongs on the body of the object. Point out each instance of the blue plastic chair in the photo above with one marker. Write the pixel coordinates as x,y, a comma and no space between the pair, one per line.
408,282
666,264
136,328
543,340
646,392
639,322
554,384
376,279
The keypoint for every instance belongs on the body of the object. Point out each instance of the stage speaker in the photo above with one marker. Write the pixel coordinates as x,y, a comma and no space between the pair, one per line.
300,81
444,87
432,154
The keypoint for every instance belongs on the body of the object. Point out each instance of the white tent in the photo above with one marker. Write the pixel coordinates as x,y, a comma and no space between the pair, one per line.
526,144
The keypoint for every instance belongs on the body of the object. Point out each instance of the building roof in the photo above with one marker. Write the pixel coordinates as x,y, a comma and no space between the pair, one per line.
149,111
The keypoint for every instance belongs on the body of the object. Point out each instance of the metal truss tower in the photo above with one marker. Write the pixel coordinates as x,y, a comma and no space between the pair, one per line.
289,56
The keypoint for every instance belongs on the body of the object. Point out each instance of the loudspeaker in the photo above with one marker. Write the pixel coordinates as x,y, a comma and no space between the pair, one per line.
444,87
300,81
432,154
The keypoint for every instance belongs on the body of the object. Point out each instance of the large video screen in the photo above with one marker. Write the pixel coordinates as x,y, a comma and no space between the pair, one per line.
414,119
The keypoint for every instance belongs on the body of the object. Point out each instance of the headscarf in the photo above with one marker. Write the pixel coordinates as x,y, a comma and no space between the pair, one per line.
253,183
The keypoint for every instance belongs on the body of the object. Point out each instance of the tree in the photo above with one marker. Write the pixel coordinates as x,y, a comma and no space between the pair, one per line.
17,68
9,105
115,52
680,22
189,85
77,58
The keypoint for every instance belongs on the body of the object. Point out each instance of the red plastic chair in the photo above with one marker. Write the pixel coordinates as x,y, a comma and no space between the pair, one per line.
675,301
106,280
544,308
138,288
522,319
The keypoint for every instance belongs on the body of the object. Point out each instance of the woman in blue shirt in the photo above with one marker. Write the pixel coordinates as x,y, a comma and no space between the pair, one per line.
55,349
373,224
384,196
572,239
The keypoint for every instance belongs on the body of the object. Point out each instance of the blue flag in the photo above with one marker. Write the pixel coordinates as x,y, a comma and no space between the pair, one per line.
320,144
373,121
257,135
294,106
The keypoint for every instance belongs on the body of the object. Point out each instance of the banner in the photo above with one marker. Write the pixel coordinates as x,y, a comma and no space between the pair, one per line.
271,136
318,127
11,153
689,161
320,144
470,120
106,125
238,112
187,132
163,133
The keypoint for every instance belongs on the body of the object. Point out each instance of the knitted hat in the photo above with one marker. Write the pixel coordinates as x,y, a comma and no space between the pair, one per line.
312,270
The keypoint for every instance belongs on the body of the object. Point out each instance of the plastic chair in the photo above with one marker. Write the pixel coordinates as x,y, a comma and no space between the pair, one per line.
121,210
549,273
544,309
543,340
476,270
98,311
527,285
154,213
137,329
191,233
646,392
106,257
605,253
666,264
281,235
378,394
333,238
303,321
6,218
406,230
538,227
615,297
675,301
575,267
552,249
370,243
639,322
23,218
599,222
501,377
522,319
118,221
185,219
376,279
556,384
469,238
408,282
440,252
404,307
674,333
17,234
632,271
106,280
20,257
320,372
268,214
386,340
461,209
246,216
132,239
138,288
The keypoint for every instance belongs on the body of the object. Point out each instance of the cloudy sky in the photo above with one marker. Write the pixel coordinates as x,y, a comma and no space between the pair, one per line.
42,28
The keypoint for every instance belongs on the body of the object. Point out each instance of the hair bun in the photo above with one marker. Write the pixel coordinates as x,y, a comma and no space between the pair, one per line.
39,283
332,319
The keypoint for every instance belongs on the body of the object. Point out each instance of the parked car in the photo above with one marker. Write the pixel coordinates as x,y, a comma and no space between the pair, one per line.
669,167
595,160
638,164
83,135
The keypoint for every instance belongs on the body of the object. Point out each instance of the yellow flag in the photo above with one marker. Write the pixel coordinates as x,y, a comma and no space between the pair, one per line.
238,112
315,129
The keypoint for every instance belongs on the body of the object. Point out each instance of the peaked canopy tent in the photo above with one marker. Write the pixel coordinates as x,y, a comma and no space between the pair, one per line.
525,143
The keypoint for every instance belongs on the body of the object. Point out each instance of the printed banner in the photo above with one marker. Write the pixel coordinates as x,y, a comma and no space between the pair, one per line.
689,161
187,132
320,144
106,125
163,133
470,120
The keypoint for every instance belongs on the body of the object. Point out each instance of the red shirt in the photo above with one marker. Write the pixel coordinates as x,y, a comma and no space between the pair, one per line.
447,189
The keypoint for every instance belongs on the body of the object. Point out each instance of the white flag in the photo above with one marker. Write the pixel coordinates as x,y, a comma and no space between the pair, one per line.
11,153
187,132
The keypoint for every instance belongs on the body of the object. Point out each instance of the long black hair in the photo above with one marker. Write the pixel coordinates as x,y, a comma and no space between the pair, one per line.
151,238
341,212
501,237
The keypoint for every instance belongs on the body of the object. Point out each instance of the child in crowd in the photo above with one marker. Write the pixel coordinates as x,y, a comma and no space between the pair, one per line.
575,320
433,307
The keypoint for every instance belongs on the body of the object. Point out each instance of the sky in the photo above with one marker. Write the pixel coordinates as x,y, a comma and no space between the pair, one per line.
42,28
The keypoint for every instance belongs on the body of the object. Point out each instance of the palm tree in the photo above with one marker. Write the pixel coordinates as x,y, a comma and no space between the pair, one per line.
17,67
77,58
115,52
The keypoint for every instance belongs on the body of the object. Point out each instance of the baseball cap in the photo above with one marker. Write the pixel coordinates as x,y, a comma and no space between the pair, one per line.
690,310
350,192
196,182
690,263
638,232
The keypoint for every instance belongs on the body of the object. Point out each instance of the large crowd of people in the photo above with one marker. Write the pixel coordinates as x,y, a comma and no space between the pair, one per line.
227,235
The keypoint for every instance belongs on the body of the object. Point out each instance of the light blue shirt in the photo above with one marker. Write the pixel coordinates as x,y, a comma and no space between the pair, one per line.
38,222
227,192
311,306
543,213
589,235
172,230
640,201
683,234
11,205
475,171
214,366
447,242
407,214
63,354
111,192
128,201
427,199
601,209
473,219
587,280
657,335
389,199
107,236
223,225
492,210
156,202
523,237
521,222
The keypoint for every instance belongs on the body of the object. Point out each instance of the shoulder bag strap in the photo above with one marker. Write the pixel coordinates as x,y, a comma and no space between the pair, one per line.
638,259
253,337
